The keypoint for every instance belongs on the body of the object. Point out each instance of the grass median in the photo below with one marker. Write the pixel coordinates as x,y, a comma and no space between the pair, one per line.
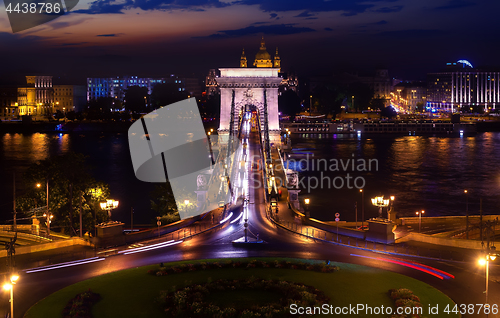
134,293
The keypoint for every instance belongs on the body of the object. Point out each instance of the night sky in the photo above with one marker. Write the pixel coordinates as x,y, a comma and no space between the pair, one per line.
315,37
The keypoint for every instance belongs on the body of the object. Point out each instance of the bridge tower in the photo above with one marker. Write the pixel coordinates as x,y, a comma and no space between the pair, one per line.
257,86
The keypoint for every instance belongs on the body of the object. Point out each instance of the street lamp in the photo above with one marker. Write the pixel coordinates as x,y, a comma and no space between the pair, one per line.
96,193
48,215
307,201
362,208
10,286
390,215
419,220
490,256
109,205
158,222
310,104
381,203
466,214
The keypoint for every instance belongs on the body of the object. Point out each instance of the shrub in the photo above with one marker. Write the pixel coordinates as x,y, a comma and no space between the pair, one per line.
323,268
81,305
189,301
404,298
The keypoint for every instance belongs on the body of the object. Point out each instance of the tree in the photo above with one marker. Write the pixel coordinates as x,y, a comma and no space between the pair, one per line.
163,200
70,183
377,103
59,115
388,112
289,103
99,108
420,107
71,115
136,99
165,94
163,203
362,95
329,98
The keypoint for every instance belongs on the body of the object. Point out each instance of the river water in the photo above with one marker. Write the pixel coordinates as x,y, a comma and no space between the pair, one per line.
108,155
426,173
423,172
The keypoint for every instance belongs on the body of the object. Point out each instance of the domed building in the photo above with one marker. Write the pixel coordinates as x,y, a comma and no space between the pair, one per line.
262,58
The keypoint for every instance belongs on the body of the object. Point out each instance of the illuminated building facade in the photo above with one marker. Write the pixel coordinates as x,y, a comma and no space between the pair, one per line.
37,97
410,97
462,87
69,97
211,86
115,87
288,82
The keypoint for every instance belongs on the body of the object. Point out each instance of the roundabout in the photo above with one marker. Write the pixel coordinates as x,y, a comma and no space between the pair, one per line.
242,287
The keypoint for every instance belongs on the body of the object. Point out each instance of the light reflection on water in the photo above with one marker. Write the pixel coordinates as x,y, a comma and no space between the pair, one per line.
108,156
424,173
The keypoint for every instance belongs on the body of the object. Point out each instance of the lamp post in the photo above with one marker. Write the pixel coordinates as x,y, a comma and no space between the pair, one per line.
158,222
310,104
485,261
48,215
212,162
10,286
381,203
14,205
419,220
362,208
352,103
96,193
109,205
307,201
466,214
390,216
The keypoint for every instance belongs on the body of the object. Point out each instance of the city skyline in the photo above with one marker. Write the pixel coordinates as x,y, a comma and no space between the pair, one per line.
315,38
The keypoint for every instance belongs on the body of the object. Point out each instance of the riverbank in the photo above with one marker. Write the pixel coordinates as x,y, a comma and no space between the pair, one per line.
63,127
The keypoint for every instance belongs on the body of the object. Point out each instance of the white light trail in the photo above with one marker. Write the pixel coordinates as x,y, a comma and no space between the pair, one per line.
227,218
46,268
235,220
152,248
144,247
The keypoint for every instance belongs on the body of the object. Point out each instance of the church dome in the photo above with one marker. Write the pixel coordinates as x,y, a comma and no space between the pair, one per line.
262,54
263,58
